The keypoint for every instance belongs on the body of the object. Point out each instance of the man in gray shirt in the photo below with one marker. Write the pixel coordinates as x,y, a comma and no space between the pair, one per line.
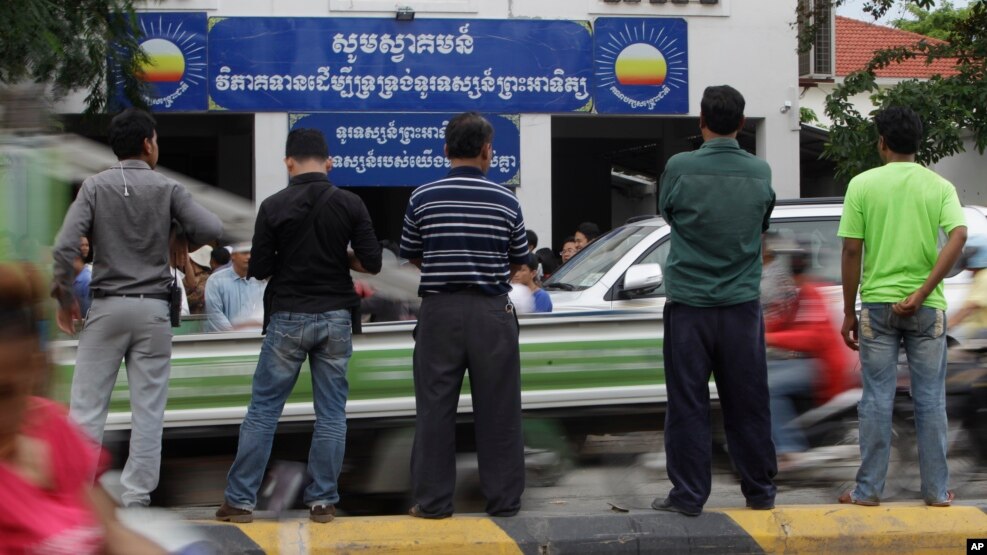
127,212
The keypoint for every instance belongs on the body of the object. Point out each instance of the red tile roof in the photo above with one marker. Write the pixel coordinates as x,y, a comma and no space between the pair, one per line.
856,42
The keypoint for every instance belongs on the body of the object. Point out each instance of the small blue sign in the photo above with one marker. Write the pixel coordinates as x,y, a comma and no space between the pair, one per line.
641,65
359,64
402,150
175,72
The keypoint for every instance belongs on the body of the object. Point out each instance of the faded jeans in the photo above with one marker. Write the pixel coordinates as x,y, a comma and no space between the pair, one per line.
327,340
924,334
789,380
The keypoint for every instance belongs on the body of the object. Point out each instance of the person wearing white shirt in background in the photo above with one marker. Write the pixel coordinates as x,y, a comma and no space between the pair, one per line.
234,301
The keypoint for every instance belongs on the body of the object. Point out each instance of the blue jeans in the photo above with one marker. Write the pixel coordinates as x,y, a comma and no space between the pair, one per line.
327,340
924,334
789,380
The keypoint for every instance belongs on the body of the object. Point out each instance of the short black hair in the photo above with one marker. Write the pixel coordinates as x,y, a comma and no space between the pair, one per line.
532,239
220,256
466,134
549,262
128,129
306,144
722,108
531,261
901,128
589,229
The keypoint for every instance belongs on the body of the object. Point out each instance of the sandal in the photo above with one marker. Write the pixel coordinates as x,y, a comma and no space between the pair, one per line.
947,503
847,499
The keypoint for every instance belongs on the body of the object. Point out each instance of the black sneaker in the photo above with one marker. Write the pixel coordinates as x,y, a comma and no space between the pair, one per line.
667,505
417,512
225,513
322,513
763,506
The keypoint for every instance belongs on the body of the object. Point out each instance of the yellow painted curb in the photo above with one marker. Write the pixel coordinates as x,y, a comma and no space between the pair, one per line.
388,534
889,528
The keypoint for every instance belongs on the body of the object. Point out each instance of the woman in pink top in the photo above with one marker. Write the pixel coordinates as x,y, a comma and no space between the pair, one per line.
48,500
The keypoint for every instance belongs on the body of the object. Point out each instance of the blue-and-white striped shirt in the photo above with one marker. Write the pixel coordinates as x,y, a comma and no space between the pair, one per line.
467,231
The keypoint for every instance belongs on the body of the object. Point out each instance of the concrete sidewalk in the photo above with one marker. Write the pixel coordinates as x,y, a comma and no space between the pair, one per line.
905,527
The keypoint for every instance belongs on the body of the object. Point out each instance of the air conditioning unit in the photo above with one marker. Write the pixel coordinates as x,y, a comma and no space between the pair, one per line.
819,61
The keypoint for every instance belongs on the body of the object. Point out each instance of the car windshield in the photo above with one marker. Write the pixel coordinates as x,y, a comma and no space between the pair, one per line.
591,263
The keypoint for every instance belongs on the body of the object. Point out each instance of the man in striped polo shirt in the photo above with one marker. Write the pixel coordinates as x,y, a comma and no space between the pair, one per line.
467,235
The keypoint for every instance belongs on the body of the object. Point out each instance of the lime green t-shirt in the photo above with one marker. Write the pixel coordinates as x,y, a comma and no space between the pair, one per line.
898,209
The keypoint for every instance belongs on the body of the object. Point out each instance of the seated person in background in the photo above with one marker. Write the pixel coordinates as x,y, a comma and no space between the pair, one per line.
527,278
973,314
568,249
234,301
197,271
83,275
585,234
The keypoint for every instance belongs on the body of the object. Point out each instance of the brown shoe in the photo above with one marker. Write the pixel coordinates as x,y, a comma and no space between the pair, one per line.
225,513
847,499
322,513
950,495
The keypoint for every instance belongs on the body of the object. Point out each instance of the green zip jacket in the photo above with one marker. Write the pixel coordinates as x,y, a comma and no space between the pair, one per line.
718,200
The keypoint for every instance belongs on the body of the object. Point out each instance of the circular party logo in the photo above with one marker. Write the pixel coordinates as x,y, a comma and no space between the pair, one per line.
643,64
175,69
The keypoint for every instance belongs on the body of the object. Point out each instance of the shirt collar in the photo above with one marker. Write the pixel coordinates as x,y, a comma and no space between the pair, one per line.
133,164
466,171
721,142
310,177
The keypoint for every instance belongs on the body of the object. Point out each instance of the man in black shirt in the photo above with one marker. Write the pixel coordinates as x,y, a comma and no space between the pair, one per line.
300,243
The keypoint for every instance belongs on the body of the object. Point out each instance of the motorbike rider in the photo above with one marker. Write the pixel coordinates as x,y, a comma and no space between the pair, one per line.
970,320
806,359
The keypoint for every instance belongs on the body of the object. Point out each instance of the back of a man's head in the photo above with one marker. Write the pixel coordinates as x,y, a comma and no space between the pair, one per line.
589,229
901,128
127,132
532,239
722,108
306,144
466,134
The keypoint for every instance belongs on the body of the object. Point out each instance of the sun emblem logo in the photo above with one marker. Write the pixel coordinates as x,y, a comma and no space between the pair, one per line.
642,63
175,69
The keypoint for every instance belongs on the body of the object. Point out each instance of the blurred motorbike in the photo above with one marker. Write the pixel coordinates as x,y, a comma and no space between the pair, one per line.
833,433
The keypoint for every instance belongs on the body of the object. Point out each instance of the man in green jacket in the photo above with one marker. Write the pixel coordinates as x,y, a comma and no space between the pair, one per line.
718,201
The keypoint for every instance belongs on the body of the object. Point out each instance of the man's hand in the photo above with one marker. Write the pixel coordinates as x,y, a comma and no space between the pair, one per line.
910,305
849,331
66,316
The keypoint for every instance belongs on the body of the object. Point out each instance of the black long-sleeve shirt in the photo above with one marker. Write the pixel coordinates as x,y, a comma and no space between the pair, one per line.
317,276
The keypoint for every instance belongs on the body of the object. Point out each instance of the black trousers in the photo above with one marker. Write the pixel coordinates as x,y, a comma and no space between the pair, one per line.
728,342
457,331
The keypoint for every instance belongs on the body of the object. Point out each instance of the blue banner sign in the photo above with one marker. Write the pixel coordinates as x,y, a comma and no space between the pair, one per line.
175,71
641,65
356,64
374,149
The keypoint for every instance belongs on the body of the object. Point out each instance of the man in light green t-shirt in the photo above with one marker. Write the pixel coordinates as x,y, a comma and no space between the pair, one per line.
891,218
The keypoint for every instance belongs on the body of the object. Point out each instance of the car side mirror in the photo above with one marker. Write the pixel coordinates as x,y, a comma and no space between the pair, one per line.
642,277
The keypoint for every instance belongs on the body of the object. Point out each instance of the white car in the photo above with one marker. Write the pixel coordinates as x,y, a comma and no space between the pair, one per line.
622,270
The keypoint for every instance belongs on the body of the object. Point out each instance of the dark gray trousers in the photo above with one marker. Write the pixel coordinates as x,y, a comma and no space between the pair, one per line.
457,331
